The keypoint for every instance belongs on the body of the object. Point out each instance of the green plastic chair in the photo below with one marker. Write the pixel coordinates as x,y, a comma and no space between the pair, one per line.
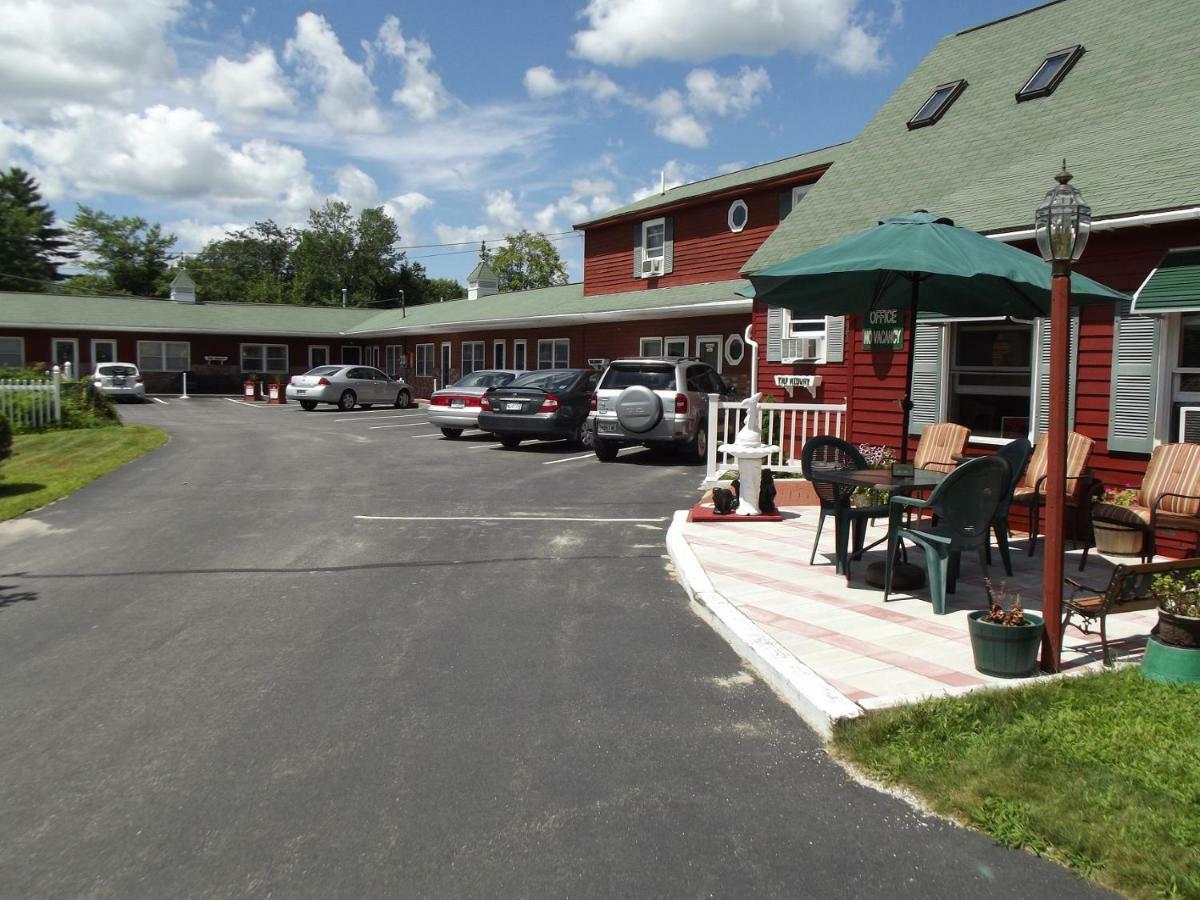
1016,453
964,507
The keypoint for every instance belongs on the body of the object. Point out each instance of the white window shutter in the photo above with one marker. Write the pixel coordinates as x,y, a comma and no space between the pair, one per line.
776,319
668,245
1041,407
1136,344
928,376
637,250
835,339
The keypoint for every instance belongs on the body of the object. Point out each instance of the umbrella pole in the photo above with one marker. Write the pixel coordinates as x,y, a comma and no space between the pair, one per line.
906,404
1056,465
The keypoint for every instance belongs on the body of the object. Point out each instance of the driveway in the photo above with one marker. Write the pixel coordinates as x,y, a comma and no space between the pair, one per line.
336,655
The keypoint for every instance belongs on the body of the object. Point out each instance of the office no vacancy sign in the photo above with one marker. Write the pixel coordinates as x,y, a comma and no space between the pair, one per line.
883,329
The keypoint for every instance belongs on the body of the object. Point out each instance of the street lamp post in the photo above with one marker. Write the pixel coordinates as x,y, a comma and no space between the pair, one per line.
1061,225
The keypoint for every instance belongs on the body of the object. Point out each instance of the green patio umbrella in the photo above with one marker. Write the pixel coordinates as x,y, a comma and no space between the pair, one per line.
919,261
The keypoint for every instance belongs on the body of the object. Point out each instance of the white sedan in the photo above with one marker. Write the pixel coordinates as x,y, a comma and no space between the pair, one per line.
347,387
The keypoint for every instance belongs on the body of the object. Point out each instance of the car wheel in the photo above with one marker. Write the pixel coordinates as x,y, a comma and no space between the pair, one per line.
346,401
509,441
452,433
583,436
310,405
696,450
606,451
403,400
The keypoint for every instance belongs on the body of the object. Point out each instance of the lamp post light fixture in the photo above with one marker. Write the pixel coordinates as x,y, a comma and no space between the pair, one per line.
1061,225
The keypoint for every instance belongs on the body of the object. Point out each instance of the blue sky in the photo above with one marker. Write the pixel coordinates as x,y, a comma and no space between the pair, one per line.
465,121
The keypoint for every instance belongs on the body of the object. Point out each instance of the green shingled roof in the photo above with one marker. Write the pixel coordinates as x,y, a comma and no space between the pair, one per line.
137,314
1125,118
754,174
561,303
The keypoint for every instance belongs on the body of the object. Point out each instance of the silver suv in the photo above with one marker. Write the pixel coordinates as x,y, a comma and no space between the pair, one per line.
656,402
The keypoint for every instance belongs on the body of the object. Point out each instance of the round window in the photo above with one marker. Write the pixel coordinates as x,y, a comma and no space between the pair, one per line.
739,215
735,349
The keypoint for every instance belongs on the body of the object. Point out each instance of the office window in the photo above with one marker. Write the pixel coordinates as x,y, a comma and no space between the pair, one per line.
265,358
164,356
424,361
554,353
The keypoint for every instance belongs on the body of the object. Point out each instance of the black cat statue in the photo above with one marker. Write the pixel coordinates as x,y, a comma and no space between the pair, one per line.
723,501
766,494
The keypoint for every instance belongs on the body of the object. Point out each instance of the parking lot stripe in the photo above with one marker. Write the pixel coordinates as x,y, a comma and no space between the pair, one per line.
503,519
377,418
157,400
552,462
407,425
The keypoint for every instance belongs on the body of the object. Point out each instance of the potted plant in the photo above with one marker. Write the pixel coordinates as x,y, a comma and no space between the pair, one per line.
877,457
1115,538
1173,652
1005,642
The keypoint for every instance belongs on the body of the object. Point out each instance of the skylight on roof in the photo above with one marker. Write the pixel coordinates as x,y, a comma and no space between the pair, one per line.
1051,71
937,104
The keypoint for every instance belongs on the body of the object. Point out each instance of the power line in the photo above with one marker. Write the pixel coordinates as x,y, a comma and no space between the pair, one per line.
494,240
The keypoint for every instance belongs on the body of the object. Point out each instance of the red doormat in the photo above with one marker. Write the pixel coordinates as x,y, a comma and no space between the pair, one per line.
702,513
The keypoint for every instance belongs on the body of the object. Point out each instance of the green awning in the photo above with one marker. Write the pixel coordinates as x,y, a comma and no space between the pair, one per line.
1172,287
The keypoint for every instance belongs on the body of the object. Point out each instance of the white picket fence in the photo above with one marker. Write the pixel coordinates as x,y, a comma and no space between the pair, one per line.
786,426
33,403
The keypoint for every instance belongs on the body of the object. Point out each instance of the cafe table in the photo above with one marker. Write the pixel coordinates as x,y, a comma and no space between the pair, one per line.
847,481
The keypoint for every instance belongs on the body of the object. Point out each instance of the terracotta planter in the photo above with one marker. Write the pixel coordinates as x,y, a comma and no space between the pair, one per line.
1115,539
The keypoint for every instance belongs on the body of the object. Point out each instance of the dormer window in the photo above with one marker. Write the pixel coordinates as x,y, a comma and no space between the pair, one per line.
653,248
939,101
1052,70
739,215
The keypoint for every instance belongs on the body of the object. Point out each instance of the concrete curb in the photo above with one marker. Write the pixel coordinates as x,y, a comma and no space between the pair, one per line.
817,702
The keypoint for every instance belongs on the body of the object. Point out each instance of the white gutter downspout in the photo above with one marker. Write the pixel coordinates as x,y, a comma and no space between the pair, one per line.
1141,220
753,359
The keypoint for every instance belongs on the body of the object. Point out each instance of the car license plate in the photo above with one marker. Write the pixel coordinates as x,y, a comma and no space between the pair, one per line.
456,404
513,407
300,390
607,427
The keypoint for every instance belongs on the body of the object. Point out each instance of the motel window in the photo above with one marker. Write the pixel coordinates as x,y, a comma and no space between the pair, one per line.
394,361
265,358
164,356
653,247
939,101
1049,73
424,361
796,340
554,353
318,355
12,352
498,355
519,358
472,356
991,378
650,346
676,346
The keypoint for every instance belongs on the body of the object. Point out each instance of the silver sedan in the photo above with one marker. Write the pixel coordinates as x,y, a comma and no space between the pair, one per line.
456,406
347,387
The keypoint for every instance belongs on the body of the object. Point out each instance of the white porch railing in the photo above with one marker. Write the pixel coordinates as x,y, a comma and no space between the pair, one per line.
30,404
785,425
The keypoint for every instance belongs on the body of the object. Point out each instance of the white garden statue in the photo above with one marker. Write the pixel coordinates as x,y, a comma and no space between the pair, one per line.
750,451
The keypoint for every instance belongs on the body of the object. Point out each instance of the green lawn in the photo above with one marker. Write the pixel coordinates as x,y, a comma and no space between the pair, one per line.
47,466
1100,772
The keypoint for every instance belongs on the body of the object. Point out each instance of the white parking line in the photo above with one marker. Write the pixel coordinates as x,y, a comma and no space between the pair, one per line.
552,462
491,445
501,519
409,425
157,400
377,418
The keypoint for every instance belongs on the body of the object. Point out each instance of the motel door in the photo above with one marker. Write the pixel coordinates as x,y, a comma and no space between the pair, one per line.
66,350
351,356
709,351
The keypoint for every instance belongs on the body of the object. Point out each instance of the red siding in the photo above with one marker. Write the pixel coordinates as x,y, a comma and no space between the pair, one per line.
705,249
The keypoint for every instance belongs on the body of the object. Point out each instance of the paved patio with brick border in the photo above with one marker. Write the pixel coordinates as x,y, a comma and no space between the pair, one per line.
878,654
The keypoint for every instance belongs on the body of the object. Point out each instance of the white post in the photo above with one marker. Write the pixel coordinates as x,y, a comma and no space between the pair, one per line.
56,381
184,395
753,361
714,412
67,370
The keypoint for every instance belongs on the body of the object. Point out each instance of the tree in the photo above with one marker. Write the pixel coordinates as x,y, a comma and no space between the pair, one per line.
528,260
336,251
31,247
438,290
252,265
129,252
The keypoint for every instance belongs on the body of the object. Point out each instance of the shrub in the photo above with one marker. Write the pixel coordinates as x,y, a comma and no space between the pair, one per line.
85,407
5,438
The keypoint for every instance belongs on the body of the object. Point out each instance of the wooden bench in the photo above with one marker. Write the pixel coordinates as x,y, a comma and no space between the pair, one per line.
1128,591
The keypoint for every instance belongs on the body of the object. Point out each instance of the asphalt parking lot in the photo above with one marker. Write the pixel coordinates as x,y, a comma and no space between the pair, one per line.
335,654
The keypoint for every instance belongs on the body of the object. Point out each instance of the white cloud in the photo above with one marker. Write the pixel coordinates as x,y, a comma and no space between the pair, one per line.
193,235
81,51
357,188
462,234
674,173
422,92
857,51
723,96
403,209
245,90
248,15
166,153
627,32
500,207
541,82
345,95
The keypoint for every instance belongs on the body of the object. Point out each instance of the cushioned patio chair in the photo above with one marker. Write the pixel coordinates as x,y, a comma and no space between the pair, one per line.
941,447
1169,497
964,506
1030,492
824,453
1016,454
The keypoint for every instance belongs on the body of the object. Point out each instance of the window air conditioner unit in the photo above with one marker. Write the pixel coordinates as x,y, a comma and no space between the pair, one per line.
651,266
598,362
803,349
1189,424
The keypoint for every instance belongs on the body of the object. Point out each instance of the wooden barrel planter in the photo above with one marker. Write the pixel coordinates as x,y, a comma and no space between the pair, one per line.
1005,651
1117,539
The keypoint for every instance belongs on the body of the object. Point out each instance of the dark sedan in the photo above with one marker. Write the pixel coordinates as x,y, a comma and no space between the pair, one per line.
545,405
